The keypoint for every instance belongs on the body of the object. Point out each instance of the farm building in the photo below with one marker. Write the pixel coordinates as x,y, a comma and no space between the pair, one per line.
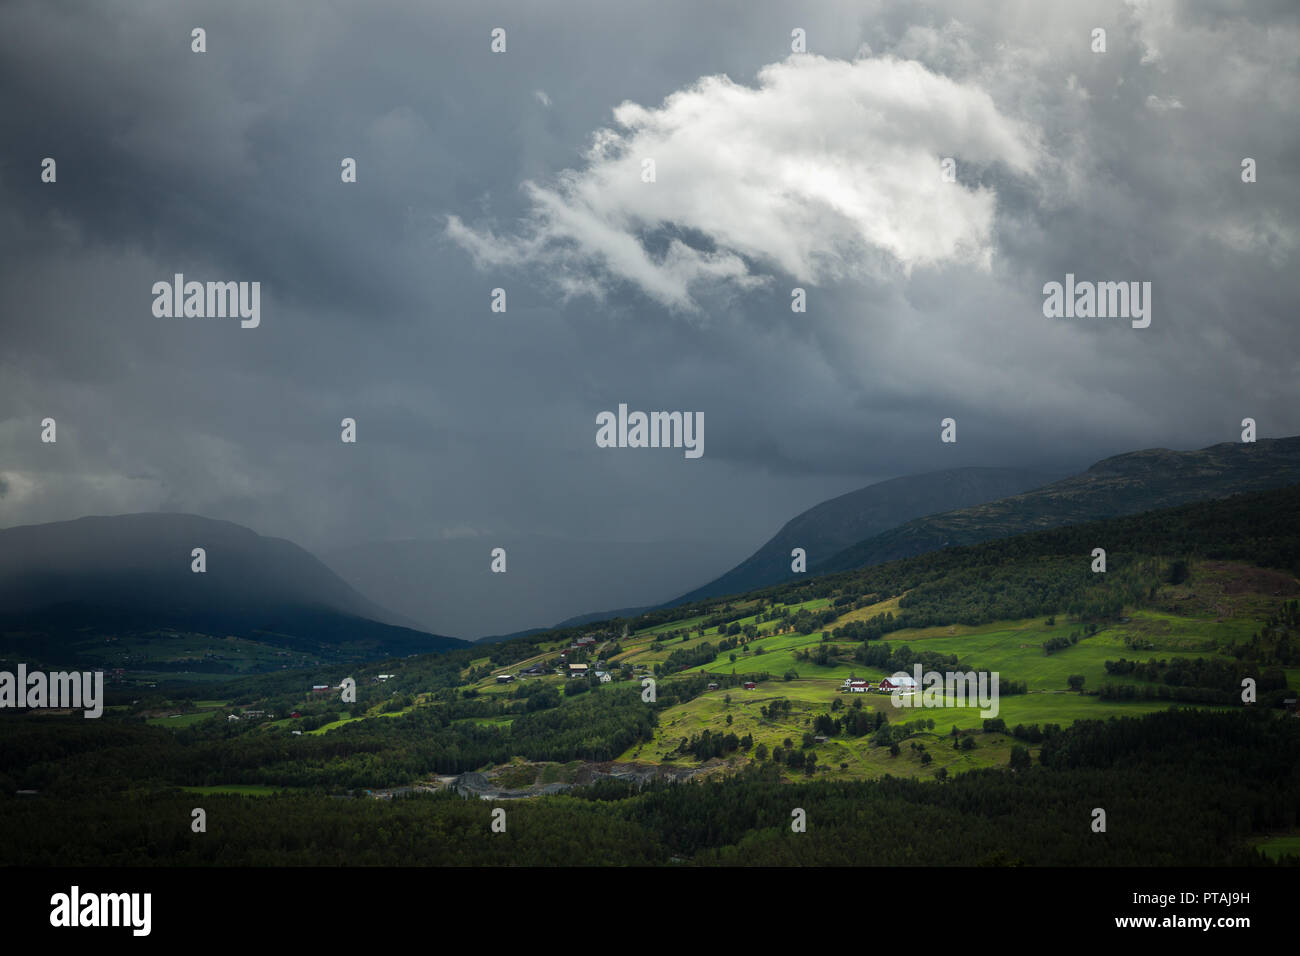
897,682
604,677
577,670
713,686
505,678
856,685
320,688
750,685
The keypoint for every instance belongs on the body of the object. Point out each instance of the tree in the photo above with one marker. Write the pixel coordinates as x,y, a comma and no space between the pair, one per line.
894,750
1179,572
1020,758
1075,681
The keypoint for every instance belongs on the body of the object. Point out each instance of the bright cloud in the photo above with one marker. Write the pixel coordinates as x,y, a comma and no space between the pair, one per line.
825,170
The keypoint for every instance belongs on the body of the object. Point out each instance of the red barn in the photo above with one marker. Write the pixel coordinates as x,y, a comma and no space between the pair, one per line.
898,682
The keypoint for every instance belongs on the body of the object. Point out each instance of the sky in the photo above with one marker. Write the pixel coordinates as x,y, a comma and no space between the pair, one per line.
524,170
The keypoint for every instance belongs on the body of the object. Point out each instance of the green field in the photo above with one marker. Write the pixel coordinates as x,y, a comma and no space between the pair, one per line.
1209,617
181,720
1275,848
1013,649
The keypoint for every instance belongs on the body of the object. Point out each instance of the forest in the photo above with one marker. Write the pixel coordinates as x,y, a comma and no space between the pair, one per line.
1182,787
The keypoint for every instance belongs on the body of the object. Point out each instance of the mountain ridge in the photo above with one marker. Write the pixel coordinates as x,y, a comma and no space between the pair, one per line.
132,573
1119,485
828,527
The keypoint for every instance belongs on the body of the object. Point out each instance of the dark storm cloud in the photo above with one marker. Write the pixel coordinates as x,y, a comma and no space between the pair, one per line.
225,165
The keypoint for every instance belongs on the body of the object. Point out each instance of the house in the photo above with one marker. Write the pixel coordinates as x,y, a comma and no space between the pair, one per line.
898,682
713,686
230,717
320,688
577,670
856,685
584,641
604,676
505,678
819,739
295,714
750,685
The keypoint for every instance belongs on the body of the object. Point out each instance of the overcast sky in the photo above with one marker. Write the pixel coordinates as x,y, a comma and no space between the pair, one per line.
523,170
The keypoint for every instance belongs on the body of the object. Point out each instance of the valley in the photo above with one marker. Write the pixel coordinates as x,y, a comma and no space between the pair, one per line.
753,687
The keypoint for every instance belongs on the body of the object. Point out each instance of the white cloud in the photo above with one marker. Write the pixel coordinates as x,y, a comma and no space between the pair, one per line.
826,170
1163,105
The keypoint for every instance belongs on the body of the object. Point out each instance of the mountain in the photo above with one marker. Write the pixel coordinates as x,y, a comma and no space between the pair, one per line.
447,585
1122,485
828,528
132,573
